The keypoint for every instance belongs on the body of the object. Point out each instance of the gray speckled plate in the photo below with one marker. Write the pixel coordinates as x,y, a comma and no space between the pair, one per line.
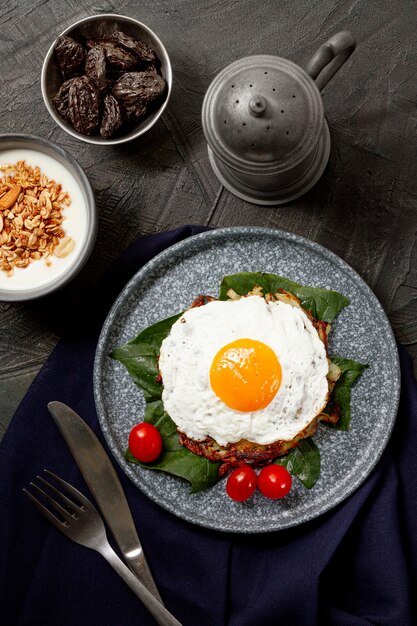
168,284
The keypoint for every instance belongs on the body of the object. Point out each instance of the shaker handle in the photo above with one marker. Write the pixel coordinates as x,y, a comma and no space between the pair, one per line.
330,57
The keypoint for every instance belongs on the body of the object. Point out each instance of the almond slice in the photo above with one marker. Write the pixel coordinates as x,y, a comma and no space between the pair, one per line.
10,197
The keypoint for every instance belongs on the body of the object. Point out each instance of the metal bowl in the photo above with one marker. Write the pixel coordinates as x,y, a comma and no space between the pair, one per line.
87,215
90,28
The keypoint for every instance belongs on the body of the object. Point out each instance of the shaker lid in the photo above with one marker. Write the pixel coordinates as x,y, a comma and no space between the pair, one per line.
262,112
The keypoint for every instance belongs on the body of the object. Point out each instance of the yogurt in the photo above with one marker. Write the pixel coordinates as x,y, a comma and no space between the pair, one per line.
39,273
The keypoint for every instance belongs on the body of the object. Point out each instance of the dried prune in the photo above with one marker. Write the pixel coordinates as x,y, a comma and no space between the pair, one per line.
137,87
134,112
115,56
112,117
152,69
60,99
84,105
139,49
70,55
113,76
95,67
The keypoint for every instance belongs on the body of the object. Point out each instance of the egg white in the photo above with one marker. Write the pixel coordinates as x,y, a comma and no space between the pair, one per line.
188,351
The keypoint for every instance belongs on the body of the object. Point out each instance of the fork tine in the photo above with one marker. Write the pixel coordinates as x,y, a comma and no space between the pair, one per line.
50,516
63,497
71,490
65,514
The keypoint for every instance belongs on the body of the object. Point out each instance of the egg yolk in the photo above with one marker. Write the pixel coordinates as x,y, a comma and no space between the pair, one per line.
246,375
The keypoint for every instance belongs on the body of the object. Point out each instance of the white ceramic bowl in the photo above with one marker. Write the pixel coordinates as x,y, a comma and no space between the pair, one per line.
39,279
93,27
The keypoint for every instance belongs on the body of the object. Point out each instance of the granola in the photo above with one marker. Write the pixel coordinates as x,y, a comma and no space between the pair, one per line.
31,217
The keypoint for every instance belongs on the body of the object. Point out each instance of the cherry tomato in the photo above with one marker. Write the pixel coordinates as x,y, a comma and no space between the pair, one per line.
241,483
145,442
274,481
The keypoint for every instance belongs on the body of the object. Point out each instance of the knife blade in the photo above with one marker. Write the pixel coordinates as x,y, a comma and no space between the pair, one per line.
104,484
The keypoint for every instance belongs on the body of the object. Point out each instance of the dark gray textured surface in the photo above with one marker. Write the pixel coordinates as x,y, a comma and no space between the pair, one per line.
363,208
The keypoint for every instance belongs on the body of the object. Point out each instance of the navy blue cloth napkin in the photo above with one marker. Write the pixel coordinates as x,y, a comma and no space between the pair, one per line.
355,565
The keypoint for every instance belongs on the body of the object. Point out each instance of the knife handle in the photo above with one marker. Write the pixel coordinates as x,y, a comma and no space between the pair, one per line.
160,613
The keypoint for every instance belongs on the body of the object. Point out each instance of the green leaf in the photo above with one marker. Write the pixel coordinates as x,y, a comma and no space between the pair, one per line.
324,304
303,462
140,357
197,470
156,415
351,370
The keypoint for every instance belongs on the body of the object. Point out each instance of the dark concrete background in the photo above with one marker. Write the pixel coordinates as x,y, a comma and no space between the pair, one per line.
364,208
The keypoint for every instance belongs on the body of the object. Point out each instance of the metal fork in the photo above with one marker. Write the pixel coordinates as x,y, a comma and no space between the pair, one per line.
81,522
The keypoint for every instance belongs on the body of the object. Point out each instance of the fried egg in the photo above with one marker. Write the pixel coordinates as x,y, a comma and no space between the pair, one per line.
243,369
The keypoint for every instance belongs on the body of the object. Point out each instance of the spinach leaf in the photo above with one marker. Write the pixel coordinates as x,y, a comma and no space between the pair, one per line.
156,415
351,370
324,304
303,462
198,470
140,357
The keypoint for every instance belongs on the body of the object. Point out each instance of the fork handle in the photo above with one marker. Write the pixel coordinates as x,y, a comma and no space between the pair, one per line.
160,613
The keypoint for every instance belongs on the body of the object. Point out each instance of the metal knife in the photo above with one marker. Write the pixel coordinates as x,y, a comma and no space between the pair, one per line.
104,484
